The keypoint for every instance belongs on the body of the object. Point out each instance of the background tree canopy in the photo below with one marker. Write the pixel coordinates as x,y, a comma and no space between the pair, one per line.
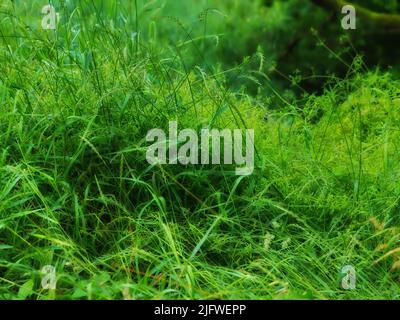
286,38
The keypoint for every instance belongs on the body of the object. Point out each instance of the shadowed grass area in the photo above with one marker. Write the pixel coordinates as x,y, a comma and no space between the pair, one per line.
76,191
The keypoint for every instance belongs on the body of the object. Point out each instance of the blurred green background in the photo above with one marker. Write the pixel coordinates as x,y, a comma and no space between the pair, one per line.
278,43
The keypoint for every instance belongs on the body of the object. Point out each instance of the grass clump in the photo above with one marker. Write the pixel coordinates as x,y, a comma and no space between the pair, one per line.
77,193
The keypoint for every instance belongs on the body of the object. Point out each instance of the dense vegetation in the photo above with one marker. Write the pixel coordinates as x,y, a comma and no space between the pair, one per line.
76,191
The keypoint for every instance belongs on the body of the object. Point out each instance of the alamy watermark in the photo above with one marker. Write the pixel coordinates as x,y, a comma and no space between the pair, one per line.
49,21
196,150
349,21
49,279
349,277
51,18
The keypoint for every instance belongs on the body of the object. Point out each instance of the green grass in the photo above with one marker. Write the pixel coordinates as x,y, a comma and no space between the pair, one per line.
77,193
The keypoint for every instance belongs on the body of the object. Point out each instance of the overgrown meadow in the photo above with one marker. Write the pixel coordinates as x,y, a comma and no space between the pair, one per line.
77,193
